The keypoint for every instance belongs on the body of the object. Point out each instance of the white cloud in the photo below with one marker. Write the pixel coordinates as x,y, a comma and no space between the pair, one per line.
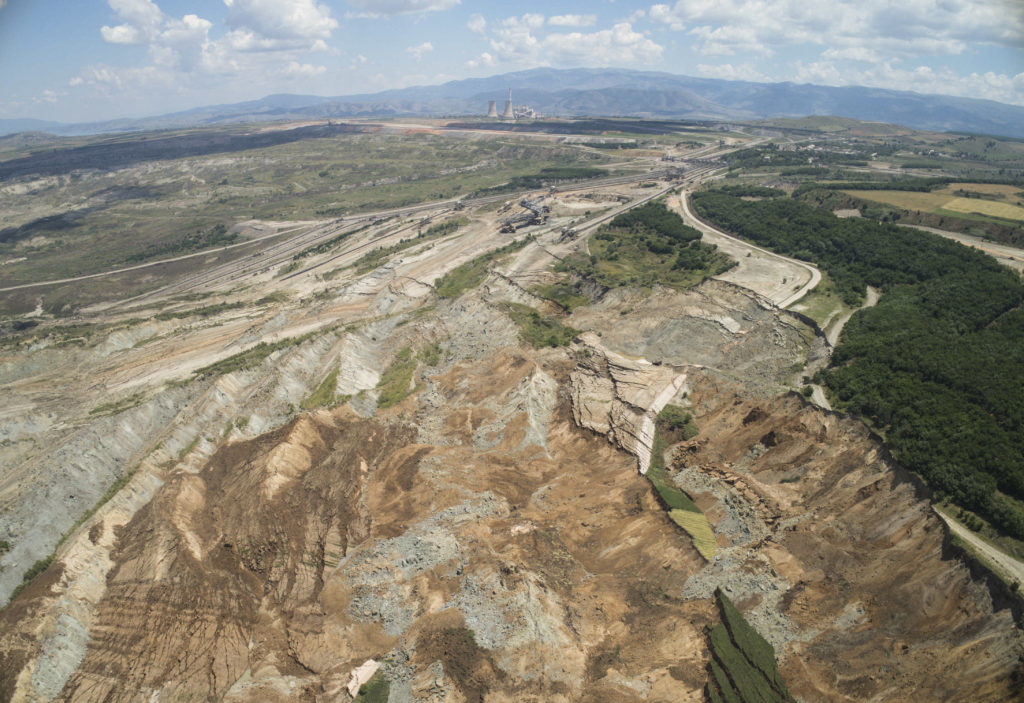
418,51
142,20
852,53
484,60
729,72
517,40
665,15
281,19
267,41
919,79
304,69
906,28
573,20
723,41
477,24
530,20
382,8
121,34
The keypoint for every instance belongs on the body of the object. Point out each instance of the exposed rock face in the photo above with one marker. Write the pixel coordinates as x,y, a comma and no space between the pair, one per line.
620,397
484,537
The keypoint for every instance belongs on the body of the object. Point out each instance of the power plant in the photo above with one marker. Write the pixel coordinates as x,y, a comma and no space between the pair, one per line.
508,114
511,112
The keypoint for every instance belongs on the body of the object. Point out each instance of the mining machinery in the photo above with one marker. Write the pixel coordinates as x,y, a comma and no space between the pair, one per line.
535,213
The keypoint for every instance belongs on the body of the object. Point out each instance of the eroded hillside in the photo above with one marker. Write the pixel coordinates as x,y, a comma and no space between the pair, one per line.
464,508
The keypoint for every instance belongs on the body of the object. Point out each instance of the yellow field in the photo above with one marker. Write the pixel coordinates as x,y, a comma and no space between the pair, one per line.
1011,193
906,199
992,208
697,526
945,200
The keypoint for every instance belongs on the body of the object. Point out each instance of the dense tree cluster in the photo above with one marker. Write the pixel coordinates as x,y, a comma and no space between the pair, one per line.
937,365
655,218
771,155
856,252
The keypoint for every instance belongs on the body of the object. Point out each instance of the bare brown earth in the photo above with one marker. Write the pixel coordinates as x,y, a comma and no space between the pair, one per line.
473,538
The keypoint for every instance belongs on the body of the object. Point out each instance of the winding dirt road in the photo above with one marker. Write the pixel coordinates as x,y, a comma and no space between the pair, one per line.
783,294
1009,568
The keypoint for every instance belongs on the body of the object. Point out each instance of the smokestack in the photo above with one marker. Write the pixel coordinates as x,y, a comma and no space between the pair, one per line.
492,109
508,114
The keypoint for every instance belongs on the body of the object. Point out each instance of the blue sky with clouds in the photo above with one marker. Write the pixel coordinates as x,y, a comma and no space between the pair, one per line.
78,60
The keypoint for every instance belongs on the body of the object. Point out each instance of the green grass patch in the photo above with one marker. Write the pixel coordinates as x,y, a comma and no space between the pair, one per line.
376,690
431,356
539,331
472,273
216,236
249,358
568,295
206,311
371,260
325,393
676,423
743,665
395,383
824,303
646,246
670,497
278,296
36,569
719,689
119,406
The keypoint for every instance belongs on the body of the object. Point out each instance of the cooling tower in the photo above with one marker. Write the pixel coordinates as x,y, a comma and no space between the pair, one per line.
492,109
508,114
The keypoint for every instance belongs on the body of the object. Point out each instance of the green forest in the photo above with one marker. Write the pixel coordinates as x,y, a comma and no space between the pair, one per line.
937,366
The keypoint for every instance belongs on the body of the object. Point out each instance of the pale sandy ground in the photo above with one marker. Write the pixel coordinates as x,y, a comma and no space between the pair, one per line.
1009,567
778,278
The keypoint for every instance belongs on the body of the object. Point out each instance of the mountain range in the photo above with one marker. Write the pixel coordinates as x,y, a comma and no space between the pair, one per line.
606,92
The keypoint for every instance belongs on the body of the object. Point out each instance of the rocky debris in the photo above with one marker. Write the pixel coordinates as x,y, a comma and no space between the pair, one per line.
477,539
828,548
716,325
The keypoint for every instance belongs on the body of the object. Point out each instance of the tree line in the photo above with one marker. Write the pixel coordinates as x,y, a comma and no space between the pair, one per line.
937,365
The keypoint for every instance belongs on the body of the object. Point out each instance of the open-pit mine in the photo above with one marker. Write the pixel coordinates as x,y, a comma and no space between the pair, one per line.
401,454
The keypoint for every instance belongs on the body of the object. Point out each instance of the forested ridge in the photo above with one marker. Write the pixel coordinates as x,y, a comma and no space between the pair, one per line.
937,365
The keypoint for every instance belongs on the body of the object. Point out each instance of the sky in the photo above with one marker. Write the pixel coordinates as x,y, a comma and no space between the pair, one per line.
86,60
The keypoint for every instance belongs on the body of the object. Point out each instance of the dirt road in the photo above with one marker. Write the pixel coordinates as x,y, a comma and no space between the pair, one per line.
836,328
779,278
1005,254
1009,568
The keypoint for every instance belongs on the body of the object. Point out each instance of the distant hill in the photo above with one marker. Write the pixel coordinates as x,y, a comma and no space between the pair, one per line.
608,92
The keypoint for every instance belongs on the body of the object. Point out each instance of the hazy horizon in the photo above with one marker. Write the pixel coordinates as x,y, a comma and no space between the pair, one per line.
96,61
